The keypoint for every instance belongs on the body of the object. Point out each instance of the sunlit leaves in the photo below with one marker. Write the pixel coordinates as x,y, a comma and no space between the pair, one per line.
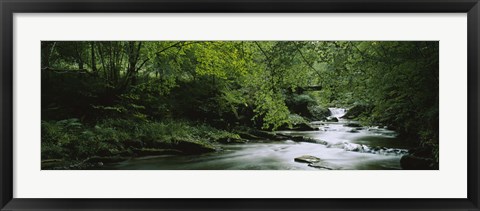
226,78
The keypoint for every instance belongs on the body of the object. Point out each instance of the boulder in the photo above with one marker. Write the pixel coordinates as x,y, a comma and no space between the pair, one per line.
192,147
357,110
300,103
98,159
421,152
231,140
303,127
51,163
353,130
302,139
352,124
153,152
324,165
318,112
247,136
332,119
307,159
264,134
411,162
134,143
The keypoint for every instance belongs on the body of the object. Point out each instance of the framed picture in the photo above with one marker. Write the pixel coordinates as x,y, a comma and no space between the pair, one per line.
264,105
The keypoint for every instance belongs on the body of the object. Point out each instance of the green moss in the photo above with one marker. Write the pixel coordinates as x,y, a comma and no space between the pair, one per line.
72,140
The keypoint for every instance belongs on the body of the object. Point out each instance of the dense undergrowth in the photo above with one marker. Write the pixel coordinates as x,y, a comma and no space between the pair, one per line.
131,98
70,139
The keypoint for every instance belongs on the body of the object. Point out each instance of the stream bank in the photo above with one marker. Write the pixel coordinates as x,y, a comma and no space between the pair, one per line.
336,145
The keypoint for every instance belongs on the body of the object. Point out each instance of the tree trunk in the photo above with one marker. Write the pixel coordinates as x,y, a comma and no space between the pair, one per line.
94,62
79,57
47,51
80,65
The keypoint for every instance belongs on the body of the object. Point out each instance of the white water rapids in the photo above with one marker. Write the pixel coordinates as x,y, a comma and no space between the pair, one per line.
337,112
346,146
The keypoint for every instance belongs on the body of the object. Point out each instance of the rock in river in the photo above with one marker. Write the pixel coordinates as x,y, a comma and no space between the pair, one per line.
332,119
298,127
324,165
352,124
307,159
353,130
411,162
316,162
303,127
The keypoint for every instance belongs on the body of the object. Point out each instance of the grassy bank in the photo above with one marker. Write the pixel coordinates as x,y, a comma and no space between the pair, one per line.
71,141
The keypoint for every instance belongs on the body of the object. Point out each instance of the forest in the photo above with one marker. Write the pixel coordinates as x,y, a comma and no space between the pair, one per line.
239,105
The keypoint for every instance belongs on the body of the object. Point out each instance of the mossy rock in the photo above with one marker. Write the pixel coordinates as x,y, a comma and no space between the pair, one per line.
264,134
52,163
410,162
332,119
303,127
298,127
228,140
248,136
153,152
255,134
357,111
98,159
134,144
352,124
190,147
307,139
318,113
307,159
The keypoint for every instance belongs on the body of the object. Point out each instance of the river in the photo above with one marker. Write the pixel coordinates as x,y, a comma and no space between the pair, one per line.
344,147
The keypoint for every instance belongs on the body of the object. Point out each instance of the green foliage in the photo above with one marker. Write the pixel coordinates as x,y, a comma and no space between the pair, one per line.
271,109
263,84
73,140
318,112
399,81
296,119
300,104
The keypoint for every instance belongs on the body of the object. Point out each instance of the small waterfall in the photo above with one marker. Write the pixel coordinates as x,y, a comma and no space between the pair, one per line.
337,112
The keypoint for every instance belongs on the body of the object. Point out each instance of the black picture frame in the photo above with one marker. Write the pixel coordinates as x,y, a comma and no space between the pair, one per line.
9,7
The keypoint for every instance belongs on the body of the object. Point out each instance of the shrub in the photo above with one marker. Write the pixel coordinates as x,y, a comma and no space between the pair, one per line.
72,140
318,112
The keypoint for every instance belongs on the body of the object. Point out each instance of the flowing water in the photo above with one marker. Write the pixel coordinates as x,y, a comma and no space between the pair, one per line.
344,146
337,112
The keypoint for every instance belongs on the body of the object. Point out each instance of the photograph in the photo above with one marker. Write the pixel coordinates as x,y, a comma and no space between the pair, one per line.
239,105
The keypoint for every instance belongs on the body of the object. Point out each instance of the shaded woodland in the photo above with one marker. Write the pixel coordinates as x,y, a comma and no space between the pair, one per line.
104,101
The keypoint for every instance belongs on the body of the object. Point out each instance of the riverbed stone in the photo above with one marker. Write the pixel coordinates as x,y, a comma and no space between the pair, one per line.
298,127
52,163
352,124
324,165
307,159
226,140
332,119
98,159
410,162
357,110
303,127
353,130
152,152
247,136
